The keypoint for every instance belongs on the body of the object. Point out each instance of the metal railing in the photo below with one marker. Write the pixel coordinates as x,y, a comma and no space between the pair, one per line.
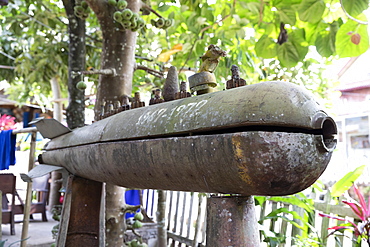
186,219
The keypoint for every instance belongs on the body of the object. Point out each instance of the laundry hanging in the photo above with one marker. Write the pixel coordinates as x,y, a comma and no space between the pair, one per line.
7,149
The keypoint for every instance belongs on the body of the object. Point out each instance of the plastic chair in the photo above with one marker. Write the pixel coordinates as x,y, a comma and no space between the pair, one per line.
40,191
40,194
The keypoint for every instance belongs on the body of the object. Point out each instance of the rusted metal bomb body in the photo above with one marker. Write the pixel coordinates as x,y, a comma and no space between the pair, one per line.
270,138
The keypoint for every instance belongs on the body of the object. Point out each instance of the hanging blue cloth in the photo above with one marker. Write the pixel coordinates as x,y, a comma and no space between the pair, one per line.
7,149
26,116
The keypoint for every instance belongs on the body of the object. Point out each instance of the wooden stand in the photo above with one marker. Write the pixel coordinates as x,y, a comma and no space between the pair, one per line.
80,215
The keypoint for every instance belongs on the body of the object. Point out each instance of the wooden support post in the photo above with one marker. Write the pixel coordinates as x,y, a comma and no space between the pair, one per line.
54,189
325,221
66,211
80,216
27,205
231,221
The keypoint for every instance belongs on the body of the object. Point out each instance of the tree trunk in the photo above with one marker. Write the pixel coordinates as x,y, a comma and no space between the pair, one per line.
115,225
118,54
57,114
57,104
76,63
161,218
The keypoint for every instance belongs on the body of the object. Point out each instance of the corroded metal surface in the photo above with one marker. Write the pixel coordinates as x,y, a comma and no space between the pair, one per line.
202,81
231,221
247,163
264,104
265,139
79,225
235,80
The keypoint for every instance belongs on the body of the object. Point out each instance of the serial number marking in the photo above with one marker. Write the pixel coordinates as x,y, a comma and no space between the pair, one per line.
189,110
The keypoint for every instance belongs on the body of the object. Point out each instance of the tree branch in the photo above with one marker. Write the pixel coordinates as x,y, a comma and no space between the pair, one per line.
146,6
111,72
6,67
351,17
261,12
57,17
156,73
7,55
208,27
130,208
143,58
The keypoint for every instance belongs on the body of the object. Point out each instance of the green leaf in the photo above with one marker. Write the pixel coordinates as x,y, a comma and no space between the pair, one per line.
345,47
192,23
268,15
325,41
208,13
355,7
266,47
294,50
41,63
287,54
294,201
287,15
51,23
15,27
312,30
163,7
259,200
270,29
283,212
286,211
346,182
287,2
318,185
311,10
171,15
254,7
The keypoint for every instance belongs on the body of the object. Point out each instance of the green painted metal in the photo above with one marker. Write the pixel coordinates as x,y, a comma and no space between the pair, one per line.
265,139
248,163
277,104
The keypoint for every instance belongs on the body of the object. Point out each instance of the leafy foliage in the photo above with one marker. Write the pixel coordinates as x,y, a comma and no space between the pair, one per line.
36,43
309,235
249,30
3,242
362,209
34,35
354,8
311,10
302,222
345,42
346,182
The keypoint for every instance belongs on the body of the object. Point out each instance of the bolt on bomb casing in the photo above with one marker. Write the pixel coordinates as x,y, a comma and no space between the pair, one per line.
270,138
